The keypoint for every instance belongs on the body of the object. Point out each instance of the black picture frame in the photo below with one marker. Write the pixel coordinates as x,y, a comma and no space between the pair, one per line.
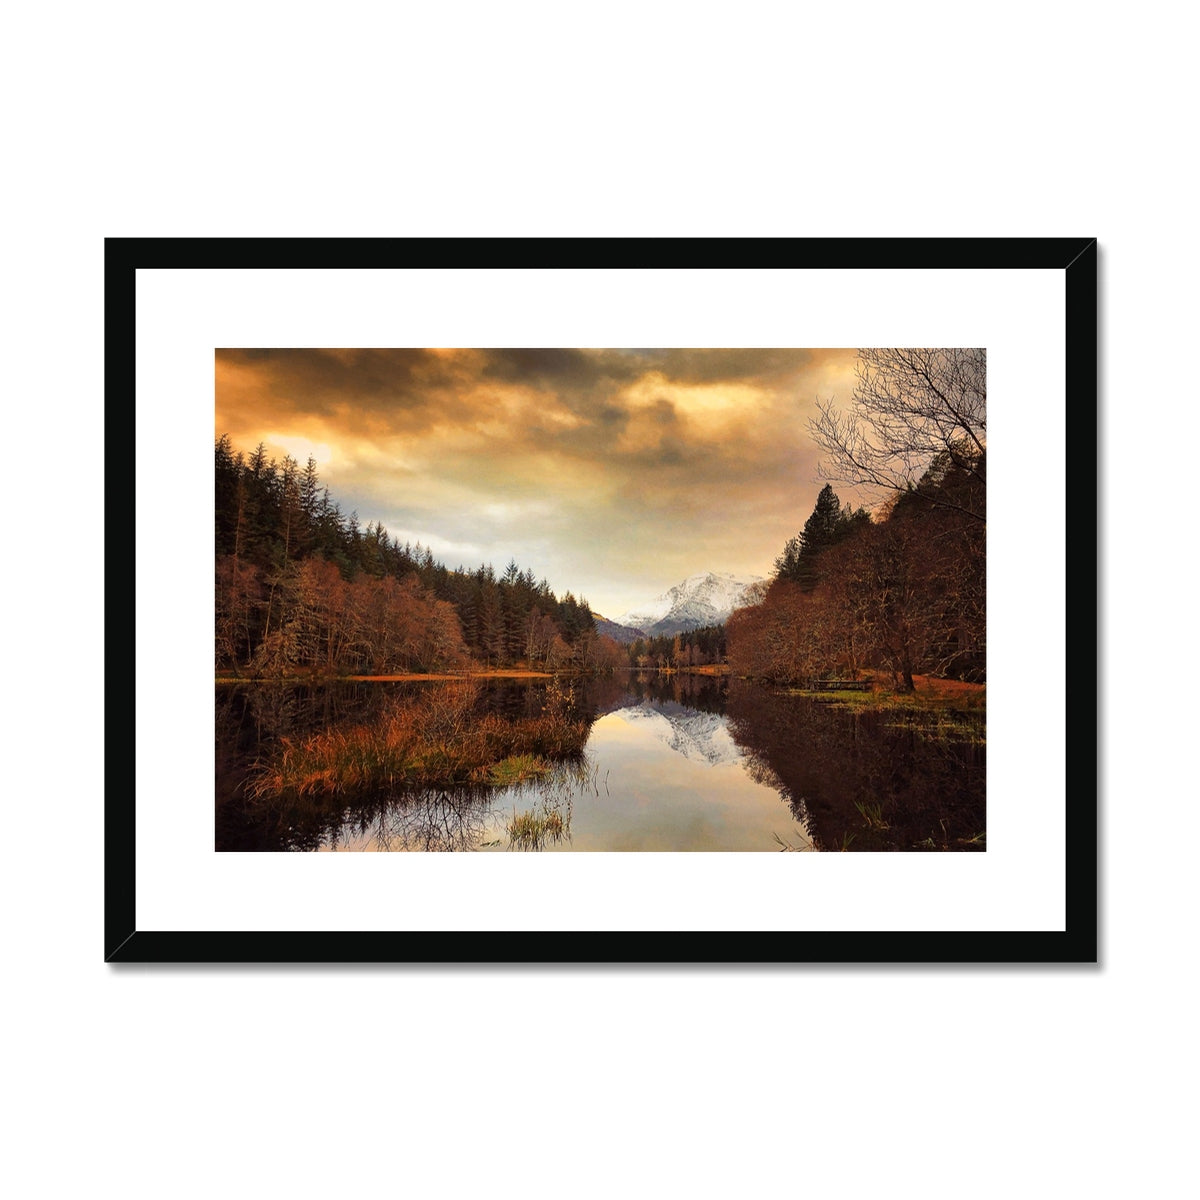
1077,942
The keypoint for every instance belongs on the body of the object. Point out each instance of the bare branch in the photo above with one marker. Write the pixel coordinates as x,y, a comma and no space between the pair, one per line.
916,416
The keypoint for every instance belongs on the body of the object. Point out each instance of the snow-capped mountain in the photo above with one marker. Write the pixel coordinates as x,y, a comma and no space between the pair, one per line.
704,599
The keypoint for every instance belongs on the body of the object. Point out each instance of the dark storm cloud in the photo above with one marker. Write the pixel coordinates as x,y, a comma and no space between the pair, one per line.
585,382
382,391
308,373
404,388
742,365
578,368
586,369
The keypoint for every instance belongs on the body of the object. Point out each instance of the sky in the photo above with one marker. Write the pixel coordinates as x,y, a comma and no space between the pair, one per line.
614,474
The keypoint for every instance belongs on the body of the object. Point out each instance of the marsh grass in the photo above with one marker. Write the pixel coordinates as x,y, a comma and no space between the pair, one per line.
872,815
945,727
549,820
930,843
933,715
532,830
435,739
517,768
786,846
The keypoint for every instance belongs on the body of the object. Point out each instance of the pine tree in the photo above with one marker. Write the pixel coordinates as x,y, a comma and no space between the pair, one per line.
829,524
820,530
787,565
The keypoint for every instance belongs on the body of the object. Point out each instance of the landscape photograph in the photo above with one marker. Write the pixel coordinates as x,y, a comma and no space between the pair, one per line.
559,600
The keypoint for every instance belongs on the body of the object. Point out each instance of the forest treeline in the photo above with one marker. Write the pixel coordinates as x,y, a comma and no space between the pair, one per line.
301,587
692,648
905,591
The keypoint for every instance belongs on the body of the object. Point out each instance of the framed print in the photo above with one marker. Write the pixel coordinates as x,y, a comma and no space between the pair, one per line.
623,567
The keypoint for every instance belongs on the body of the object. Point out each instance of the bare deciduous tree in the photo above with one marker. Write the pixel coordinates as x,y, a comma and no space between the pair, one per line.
916,414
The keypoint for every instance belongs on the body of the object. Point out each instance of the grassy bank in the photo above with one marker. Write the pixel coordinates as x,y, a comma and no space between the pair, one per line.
939,708
436,738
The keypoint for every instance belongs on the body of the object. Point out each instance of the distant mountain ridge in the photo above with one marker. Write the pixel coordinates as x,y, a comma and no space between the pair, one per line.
703,599
619,633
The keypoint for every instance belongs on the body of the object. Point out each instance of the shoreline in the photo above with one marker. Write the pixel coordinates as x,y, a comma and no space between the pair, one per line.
432,677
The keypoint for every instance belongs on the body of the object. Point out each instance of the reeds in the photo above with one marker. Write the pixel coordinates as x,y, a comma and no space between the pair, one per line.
532,830
435,738
872,815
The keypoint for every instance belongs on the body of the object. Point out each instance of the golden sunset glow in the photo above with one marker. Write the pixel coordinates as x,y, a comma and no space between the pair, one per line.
612,473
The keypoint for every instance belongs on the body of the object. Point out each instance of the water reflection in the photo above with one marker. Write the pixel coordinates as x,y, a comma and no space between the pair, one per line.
701,737
678,762
863,780
445,819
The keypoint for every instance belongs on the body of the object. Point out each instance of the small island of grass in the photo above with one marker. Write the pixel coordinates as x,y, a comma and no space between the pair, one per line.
433,739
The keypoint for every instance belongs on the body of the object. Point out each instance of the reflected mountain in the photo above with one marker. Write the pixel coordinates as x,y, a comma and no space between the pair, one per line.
698,736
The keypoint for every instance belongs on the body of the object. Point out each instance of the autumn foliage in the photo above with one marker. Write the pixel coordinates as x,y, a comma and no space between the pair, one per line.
439,737
905,592
300,588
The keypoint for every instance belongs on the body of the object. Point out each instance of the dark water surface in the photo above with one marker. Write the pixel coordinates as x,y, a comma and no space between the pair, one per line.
676,762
